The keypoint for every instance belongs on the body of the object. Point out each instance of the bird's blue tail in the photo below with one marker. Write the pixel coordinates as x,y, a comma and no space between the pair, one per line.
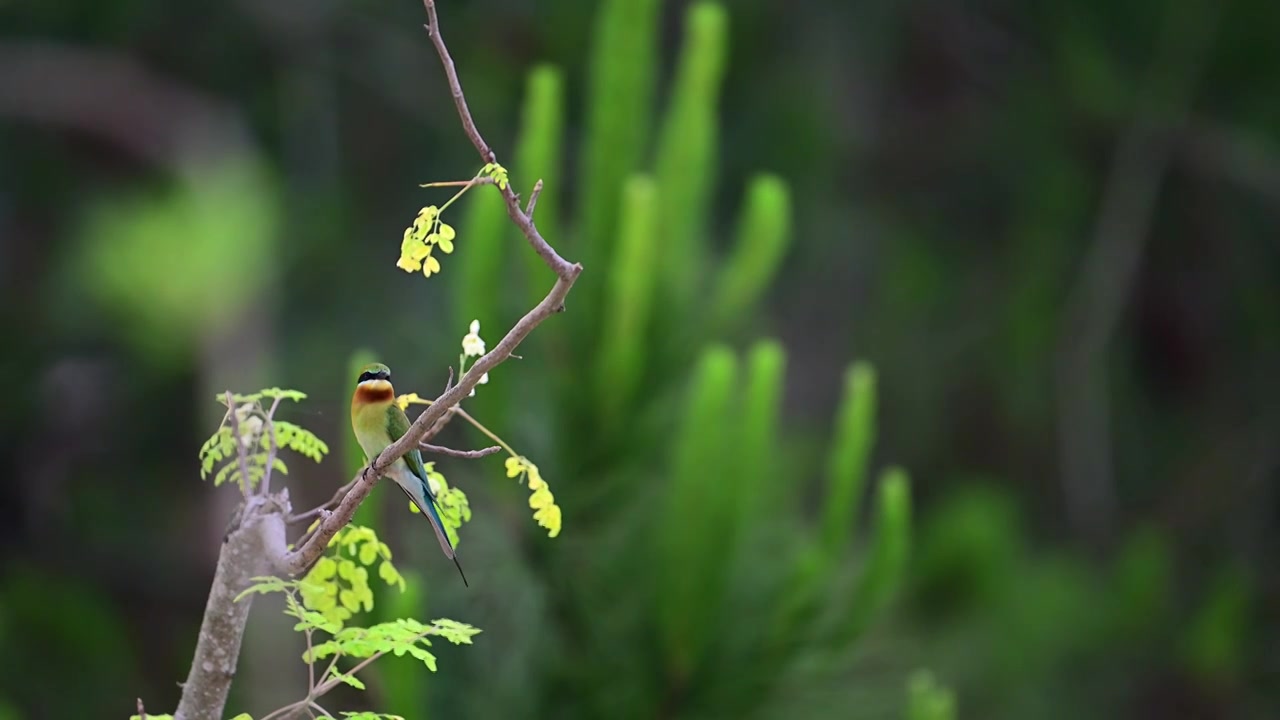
427,504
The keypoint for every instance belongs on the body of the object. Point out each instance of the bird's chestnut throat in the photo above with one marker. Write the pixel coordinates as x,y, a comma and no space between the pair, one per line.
374,391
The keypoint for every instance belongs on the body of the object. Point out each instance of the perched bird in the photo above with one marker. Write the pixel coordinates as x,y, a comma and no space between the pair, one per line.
378,422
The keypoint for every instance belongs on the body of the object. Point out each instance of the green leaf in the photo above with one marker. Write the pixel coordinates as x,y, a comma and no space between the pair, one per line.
173,265
455,632
276,392
763,234
698,531
538,157
685,163
628,301
927,700
889,553
619,101
347,678
266,584
847,464
757,427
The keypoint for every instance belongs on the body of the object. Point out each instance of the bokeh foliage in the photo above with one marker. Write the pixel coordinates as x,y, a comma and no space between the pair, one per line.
766,193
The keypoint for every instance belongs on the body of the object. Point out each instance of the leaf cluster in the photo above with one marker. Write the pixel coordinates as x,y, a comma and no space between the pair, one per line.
260,437
399,637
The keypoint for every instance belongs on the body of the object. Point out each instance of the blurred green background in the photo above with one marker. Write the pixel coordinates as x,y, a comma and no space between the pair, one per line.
926,353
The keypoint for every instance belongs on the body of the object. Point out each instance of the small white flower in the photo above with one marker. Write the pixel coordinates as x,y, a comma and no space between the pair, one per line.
484,380
471,342
250,428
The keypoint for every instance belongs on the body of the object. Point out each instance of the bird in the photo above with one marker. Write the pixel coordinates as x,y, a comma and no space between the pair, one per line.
378,422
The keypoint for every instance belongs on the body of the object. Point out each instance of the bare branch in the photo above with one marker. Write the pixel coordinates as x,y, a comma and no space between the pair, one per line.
306,554
284,711
1100,293
258,543
563,268
465,454
533,198
274,447
242,455
483,180
142,712
435,429
316,511
566,274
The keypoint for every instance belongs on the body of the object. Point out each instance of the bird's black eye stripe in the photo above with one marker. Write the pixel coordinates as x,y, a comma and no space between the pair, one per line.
373,376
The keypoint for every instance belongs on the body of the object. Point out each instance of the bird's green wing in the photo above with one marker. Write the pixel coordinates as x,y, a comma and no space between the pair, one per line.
397,426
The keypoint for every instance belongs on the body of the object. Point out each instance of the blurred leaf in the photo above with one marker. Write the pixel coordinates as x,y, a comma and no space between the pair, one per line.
927,700
685,163
628,301
619,110
762,237
538,157
1216,641
479,257
759,435
1142,584
176,266
970,550
889,553
695,531
855,435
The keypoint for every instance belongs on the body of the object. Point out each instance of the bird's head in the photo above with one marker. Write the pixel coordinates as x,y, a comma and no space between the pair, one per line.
374,372
374,384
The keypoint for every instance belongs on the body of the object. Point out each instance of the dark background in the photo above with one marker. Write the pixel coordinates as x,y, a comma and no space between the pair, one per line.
1051,227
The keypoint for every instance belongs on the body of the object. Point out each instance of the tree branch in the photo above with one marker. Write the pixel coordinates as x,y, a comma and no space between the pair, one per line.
533,198
218,646
1104,282
562,267
302,558
566,274
258,544
465,454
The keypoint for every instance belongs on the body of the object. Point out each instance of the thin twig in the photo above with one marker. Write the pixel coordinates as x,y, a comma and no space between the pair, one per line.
533,198
315,511
274,447
1096,302
284,711
465,454
311,664
439,425
307,553
482,180
142,712
563,268
242,455
317,706
489,433
302,539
